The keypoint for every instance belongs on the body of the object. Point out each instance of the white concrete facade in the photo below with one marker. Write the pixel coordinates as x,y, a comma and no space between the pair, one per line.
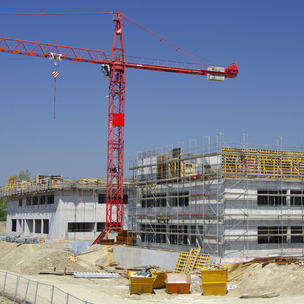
73,214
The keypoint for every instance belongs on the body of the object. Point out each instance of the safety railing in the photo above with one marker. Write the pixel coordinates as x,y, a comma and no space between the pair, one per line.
19,289
48,184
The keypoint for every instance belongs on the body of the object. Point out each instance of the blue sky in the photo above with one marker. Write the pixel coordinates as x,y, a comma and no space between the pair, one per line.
265,101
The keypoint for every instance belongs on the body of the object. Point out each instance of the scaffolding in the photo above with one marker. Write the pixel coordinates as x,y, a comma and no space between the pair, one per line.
47,183
231,200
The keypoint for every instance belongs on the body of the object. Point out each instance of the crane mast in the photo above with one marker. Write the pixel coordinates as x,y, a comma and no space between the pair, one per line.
114,69
116,123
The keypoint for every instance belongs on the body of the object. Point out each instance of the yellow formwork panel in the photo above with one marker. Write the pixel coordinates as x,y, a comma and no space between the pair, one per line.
194,252
181,263
11,182
262,163
201,261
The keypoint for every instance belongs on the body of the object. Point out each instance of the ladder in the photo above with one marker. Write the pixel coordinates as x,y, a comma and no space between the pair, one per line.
201,261
194,252
187,262
181,262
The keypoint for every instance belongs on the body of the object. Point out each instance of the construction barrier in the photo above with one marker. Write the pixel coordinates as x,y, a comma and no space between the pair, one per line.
22,290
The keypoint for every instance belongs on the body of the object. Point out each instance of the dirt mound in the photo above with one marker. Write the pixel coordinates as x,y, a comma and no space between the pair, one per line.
33,258
286,280
97,255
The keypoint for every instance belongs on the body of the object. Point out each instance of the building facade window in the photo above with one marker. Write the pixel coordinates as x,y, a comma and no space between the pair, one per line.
296,198
100,226
272,234
102,198
37,226
45,226
50,199
272,197
14,225
178,234
296,234
42,200
20,202
80,227
180,199
35,200
28,201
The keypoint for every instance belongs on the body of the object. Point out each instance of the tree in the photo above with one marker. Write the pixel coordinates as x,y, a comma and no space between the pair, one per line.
24,175
3,206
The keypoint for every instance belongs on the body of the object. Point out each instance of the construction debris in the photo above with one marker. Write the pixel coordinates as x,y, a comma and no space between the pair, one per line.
263,295
72,257
278,260
126,237
96,275
214,266
56,272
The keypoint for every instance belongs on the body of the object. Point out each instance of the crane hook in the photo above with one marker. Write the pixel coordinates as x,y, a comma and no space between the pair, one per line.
55,73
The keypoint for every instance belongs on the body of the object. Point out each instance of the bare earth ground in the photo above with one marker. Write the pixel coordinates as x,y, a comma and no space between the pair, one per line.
2,227
30,259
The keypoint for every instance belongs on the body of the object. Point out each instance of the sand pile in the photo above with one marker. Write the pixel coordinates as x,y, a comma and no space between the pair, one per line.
33,258
273,278
281,279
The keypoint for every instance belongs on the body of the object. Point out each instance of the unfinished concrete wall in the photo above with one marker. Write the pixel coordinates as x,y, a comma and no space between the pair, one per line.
71,214
132,257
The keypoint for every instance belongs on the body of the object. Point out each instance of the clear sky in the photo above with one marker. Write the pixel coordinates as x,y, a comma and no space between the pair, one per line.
265,101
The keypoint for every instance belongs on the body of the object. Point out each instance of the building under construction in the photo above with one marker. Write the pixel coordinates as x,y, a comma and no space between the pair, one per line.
56,207
230,201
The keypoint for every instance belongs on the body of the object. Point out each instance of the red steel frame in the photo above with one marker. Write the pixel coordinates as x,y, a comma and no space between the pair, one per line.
116,118
116,101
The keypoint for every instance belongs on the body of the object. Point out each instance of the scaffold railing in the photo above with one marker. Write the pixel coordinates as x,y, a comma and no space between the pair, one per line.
50,183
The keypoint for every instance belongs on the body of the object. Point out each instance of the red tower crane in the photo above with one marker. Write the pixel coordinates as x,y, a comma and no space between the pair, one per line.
114,68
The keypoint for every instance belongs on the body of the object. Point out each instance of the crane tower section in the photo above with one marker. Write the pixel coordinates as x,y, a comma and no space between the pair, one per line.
116,123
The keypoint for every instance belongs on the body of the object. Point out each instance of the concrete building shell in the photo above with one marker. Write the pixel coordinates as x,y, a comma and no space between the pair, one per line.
232,202
56,207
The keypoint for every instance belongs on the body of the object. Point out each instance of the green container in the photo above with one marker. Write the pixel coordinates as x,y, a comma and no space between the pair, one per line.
214,281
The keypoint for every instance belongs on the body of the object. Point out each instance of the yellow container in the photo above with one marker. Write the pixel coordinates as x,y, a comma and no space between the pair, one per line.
160,278
214,281
141,285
